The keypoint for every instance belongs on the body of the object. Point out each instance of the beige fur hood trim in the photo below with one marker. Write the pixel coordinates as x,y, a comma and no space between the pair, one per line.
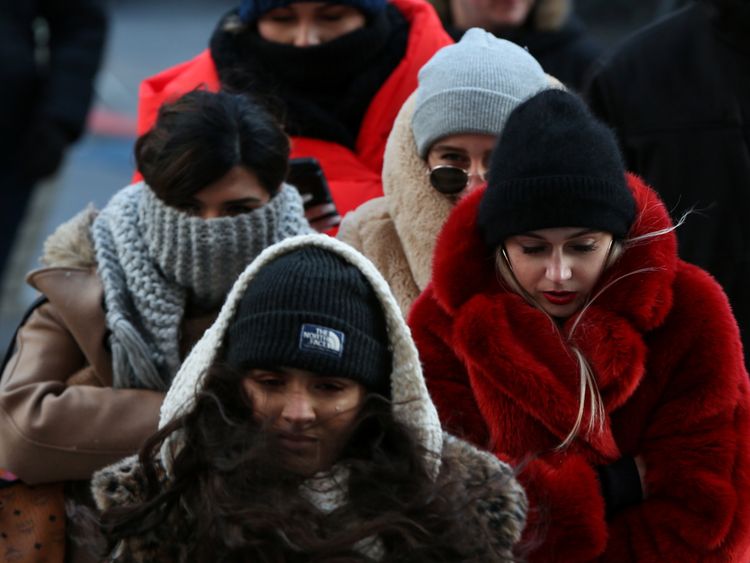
417,209
70,245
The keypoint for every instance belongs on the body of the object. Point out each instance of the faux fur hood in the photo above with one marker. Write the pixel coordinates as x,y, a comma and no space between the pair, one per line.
418,210
633,297
71,245
412,404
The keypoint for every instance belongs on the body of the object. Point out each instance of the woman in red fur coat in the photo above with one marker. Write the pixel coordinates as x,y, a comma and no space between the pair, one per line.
561,331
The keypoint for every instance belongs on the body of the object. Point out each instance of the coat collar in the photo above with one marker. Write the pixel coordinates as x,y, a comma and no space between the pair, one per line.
497,329
418,211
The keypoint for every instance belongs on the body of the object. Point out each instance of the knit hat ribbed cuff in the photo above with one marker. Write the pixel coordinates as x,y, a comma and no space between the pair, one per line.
461,110
282,338
521,205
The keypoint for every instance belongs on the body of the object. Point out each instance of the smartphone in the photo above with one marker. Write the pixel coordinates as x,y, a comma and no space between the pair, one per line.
307,176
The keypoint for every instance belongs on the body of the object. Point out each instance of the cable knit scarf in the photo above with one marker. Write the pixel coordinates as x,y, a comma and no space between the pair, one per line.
152,257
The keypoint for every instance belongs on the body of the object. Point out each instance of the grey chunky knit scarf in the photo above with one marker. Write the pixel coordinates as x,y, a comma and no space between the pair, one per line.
152,257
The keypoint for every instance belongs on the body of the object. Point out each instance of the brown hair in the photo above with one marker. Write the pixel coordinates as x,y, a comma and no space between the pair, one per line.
201,136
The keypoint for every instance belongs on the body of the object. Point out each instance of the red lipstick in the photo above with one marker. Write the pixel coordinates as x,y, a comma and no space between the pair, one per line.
560,297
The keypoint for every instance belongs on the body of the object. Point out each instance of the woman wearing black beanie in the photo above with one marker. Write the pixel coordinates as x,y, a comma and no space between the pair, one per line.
560,328
300,429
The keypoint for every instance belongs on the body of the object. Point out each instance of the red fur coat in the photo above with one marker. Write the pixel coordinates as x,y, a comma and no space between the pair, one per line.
666,353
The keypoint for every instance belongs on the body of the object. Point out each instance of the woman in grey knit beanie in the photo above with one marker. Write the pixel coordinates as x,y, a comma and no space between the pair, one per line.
129,289
438,151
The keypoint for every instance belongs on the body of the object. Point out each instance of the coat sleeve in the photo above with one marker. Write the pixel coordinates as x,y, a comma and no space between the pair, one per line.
444,373
494,504
696,445
51,430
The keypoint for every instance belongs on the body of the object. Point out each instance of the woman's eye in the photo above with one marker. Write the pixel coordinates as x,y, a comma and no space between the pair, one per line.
270,382
329,387
532,249
234,210
454,158
280,16
585,247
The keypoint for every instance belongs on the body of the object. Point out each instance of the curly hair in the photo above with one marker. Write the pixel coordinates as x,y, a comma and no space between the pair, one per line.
230,499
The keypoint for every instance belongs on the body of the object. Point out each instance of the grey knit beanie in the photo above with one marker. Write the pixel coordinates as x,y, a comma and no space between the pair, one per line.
471,87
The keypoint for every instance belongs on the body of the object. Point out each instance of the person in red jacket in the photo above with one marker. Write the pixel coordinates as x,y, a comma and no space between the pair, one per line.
338,72
561,331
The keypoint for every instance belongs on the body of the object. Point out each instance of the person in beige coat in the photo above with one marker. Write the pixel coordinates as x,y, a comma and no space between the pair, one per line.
127,290
438,151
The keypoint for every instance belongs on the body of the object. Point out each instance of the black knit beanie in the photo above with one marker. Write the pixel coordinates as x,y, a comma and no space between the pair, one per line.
555,165
310,309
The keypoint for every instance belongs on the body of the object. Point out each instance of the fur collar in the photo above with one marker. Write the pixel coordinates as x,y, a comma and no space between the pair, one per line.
71,245
499,331
418,210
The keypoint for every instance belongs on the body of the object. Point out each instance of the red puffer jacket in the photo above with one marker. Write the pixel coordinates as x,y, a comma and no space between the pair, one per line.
354,177
665,350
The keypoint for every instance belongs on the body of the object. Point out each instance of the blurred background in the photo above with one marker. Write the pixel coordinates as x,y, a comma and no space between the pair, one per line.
145,36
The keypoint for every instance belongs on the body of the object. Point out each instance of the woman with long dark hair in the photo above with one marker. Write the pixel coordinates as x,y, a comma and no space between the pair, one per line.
561,328
300,429
129,289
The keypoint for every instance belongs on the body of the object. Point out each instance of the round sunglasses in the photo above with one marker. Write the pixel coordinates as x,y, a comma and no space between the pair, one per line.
451,180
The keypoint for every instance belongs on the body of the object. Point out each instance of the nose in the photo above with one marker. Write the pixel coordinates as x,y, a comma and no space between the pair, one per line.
558,267
476,174
298,408
306,35
210,213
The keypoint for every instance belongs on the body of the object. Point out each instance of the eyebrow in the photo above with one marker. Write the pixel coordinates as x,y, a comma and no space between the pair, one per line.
448,148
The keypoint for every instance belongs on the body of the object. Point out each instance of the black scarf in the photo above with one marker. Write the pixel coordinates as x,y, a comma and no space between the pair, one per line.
322,91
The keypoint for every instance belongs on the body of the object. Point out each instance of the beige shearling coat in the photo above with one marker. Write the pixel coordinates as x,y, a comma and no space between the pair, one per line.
397,232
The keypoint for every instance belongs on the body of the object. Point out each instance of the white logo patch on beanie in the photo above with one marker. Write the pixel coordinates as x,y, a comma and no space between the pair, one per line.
316,338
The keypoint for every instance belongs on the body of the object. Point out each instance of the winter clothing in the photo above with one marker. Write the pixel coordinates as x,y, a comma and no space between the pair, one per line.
665,352
353,173
152,258
61,415
251,10
43,107
454,460
552,33
580,182
678,96
341,334
471,87
398,231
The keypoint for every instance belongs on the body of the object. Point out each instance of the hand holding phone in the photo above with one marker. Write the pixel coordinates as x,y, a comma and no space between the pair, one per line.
306,175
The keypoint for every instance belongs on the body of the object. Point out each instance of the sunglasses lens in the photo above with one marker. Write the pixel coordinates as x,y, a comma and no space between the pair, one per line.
448,179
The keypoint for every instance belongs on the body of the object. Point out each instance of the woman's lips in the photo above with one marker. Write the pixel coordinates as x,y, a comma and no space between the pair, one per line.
560,297
296,441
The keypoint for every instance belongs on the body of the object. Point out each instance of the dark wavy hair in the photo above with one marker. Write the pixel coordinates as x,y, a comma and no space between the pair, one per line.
201,136
231,500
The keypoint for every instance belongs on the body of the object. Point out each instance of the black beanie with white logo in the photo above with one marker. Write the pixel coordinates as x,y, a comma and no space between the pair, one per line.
555,165
310,309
